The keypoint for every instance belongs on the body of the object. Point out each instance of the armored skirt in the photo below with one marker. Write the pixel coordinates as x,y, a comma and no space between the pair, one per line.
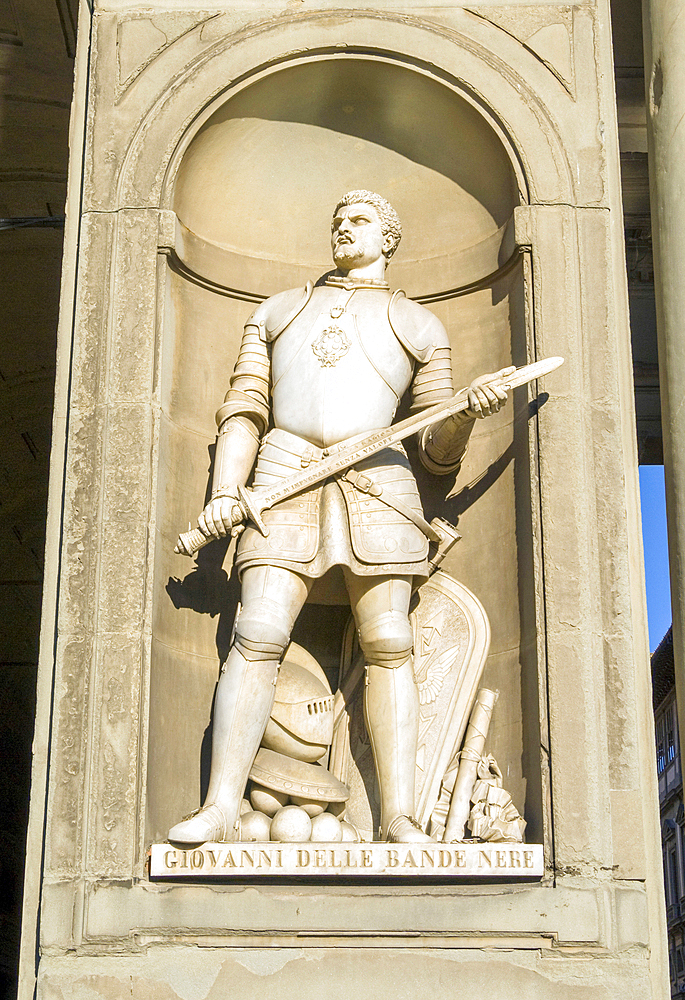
335,524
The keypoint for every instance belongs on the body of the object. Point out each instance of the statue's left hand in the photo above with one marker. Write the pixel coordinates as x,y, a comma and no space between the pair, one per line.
488,394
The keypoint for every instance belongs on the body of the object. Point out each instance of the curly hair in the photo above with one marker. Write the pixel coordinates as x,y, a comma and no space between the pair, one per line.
389,219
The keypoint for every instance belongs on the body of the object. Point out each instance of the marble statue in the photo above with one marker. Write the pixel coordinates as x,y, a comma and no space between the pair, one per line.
318,366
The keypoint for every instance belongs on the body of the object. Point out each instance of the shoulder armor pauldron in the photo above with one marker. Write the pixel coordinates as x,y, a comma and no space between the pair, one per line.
416,328
274,315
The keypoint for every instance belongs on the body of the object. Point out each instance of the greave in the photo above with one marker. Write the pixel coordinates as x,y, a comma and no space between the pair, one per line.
244,699
391,711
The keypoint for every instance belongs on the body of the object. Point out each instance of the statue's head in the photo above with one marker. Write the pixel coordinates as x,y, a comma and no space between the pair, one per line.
365,227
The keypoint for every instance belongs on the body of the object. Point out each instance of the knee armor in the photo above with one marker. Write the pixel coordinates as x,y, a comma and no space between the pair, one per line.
262,631
387,639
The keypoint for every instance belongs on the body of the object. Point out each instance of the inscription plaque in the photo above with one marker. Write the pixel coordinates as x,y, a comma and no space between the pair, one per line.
372,859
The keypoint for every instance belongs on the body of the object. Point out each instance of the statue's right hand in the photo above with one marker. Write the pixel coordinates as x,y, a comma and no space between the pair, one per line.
221,515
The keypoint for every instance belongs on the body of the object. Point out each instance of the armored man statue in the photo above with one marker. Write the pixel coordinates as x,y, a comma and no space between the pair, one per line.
316,367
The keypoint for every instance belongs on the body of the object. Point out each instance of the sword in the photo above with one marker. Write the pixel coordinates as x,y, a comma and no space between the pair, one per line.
347,453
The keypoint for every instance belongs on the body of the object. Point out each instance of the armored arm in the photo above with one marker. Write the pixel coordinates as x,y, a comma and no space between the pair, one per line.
244,415
443,445
242,419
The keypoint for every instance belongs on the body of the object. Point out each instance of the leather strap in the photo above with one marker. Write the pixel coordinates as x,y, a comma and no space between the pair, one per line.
365,484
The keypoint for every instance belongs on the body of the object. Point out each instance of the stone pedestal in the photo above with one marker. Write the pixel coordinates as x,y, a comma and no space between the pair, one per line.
207,146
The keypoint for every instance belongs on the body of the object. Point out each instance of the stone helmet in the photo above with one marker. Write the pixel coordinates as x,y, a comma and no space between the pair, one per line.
301,723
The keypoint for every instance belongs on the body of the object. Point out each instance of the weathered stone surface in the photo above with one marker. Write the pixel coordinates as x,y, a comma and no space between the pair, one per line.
133,339
91,312
114,764
66,802
586,915
168,975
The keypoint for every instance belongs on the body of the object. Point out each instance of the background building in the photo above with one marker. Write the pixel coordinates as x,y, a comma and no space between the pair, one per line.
669,770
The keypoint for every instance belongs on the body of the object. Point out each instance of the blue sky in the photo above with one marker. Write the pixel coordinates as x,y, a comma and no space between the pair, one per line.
656,552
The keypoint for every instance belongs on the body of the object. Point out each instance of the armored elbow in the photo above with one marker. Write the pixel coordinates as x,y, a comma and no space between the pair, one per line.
442,446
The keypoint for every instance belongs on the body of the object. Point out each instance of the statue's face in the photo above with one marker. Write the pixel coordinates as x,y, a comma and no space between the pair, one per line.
357,238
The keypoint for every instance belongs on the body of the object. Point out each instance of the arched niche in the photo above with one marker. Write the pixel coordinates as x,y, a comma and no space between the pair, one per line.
260,176
253,197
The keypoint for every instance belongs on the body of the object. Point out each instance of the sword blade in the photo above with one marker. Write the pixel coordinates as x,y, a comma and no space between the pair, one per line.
353,450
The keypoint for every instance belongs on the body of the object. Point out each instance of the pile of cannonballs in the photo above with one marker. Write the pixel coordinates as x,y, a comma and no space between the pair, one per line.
270,815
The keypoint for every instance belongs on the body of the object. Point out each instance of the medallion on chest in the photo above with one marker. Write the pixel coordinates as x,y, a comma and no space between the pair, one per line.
331,345
333,342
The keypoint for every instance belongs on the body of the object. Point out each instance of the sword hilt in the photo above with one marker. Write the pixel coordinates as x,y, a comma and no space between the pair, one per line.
251,510
191,541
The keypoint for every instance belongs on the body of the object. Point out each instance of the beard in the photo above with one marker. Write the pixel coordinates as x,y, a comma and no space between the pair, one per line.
346,254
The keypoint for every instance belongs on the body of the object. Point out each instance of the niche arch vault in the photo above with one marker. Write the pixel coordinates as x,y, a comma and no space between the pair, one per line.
561,513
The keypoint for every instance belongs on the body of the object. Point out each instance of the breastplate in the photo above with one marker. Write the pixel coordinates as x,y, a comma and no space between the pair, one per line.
338,373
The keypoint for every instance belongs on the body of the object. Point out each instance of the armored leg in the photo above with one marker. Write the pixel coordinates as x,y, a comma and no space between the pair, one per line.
272,598
391,702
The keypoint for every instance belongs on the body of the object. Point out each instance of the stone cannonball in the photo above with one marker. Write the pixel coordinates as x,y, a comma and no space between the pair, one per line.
267,800
349,833
291,825
255,826
311,806
326,828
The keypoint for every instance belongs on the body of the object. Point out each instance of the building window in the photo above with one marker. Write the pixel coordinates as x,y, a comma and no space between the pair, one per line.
673,891
660,744
666,732
670,734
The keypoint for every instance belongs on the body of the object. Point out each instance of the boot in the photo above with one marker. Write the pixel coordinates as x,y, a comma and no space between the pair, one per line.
244,699
391,711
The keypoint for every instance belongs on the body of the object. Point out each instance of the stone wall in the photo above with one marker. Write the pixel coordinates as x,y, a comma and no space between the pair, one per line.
185,113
